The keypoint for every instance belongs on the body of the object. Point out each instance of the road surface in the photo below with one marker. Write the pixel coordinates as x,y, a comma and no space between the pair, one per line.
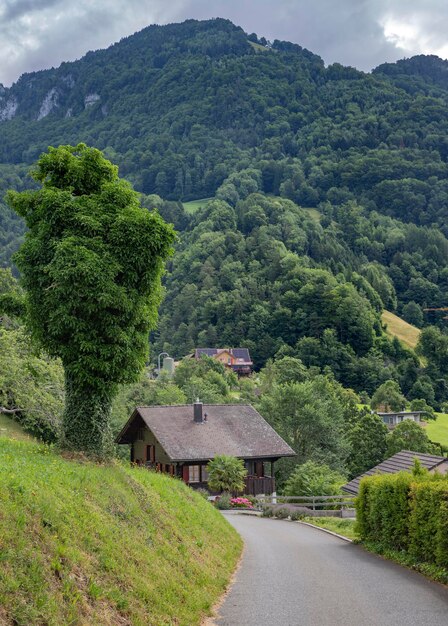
294,575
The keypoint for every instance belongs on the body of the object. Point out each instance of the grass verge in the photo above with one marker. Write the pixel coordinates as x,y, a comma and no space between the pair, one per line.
430,570
86,544
344,527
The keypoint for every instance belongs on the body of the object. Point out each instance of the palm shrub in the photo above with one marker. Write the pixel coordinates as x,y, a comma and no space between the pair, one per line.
226,473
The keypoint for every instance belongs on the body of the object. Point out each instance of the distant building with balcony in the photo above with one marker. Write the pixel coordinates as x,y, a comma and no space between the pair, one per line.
236,359
181,440
393,419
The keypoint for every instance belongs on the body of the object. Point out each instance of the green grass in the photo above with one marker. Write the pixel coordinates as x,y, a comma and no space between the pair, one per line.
258,47
344,527
192,206
12,430
396,327
437,430
313,213
86,544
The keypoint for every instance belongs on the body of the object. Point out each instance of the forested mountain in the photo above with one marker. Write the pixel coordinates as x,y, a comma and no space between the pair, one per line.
329,188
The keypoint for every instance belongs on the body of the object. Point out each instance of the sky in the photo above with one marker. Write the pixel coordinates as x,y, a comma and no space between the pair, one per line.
38,34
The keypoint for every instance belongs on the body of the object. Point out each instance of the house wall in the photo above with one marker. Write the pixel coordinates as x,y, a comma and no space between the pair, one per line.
224,357
140,448
393,420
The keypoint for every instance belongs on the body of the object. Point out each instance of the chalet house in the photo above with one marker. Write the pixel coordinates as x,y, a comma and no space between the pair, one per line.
393,419
181,440
236,359
402,461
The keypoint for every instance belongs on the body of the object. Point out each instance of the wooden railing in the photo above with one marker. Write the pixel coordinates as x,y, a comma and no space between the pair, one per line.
256,486
315,503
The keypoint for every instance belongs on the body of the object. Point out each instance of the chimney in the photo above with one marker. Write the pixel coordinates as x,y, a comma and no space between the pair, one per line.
197,412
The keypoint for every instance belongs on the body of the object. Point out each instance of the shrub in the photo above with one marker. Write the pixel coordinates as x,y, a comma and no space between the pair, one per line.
282,513
241,503
296,515
267,511
222,502
428,526
406,512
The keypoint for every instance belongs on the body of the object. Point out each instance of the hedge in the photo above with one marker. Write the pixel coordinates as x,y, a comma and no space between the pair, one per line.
404,512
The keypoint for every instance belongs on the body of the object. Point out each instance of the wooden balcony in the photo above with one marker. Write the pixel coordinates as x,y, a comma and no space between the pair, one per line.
256,486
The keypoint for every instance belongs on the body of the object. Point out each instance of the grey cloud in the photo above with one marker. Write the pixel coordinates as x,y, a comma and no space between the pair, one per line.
14,9
36,34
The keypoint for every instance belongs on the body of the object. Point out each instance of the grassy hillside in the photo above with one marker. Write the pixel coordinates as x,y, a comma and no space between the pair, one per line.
396,327
438,430
85,544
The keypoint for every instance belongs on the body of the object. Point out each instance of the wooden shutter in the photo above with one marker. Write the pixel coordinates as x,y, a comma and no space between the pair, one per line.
185,474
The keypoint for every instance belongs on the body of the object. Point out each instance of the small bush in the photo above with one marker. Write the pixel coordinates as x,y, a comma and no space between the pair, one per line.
267,511
252,499
282,513
241,503
296,515
222,502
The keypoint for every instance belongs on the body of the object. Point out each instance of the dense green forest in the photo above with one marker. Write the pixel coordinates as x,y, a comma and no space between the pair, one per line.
329,191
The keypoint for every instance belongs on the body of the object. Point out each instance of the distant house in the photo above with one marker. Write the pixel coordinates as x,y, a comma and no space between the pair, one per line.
180,440
236,359
393,419
402,461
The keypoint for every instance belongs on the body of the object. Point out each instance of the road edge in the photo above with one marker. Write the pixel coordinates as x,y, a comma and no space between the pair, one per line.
326,530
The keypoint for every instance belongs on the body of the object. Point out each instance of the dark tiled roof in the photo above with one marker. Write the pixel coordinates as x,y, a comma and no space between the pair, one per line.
238,353
231,429
403,413
399,462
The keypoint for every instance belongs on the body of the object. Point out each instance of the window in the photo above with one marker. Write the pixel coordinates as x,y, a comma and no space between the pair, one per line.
194,473
141,434
204,474
150,454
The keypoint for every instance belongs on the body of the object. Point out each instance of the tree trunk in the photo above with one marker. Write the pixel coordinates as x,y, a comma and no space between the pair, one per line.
86,418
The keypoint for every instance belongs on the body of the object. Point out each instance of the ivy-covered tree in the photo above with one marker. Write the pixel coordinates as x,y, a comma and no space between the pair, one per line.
91,266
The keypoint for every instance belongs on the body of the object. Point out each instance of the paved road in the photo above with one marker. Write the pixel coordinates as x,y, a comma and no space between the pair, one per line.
294,575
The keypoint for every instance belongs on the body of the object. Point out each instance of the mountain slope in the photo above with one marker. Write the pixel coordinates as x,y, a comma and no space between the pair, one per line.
194,110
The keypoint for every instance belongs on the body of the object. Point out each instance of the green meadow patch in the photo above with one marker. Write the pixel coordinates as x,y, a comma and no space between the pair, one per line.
437,430
194,205
397,327
87,544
